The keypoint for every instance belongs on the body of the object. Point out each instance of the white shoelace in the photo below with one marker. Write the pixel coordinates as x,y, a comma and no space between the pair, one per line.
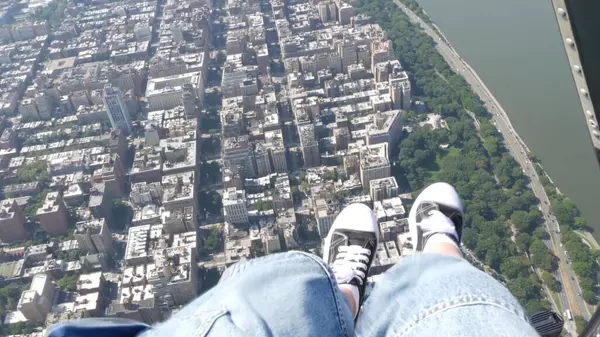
437,222
351,263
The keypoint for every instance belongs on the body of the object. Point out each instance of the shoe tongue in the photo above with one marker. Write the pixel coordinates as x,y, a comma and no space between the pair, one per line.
356,242
425,210
354,282
439,223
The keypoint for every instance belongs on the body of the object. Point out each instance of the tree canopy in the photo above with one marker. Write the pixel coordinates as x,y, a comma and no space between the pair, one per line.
68,283
498,205
584,260
36,171
212,242
261,205
210,202
122,214
53,12
9,297
210,173
580,323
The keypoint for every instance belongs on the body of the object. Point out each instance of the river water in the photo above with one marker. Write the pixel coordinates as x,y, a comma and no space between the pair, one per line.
516,48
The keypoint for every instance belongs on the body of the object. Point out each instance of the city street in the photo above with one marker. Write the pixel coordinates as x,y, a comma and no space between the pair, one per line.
570,296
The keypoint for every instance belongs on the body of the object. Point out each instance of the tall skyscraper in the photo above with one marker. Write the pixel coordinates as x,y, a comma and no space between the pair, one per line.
12,222
309,145
54,215
94,236
115,107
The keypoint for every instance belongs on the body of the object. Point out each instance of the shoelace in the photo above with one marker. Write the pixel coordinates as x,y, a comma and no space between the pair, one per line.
351,263
437,222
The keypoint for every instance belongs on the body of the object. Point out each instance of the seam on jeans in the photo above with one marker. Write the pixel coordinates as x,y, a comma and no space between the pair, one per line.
332,284
207,322
236,268
241,266
456,302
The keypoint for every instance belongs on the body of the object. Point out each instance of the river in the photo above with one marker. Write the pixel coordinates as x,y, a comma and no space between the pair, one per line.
516,48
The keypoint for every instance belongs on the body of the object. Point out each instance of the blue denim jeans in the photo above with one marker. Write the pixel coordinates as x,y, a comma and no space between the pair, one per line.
295,294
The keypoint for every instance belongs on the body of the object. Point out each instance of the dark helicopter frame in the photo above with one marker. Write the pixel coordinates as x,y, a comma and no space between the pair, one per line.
579,25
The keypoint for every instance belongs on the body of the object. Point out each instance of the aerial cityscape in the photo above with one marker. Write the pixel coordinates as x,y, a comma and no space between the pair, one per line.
147,146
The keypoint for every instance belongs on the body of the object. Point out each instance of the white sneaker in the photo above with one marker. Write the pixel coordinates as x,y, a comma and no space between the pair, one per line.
350,246
437,209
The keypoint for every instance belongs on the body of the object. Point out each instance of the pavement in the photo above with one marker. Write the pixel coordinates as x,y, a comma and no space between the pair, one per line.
589,239
570,296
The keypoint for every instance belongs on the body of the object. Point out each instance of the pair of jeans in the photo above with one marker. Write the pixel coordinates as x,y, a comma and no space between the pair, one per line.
295,294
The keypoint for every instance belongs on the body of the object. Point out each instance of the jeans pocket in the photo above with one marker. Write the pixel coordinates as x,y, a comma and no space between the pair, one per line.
198,324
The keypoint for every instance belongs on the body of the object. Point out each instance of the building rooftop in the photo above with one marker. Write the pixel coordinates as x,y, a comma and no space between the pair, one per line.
179,186
325,208
389,209
87,302
176,262
6,209
51,203
14,317
160,85
374,156
11,270
384,183
178,154
233,196
136,294
142,239
93,226
238,142
90,282
38,283
307,135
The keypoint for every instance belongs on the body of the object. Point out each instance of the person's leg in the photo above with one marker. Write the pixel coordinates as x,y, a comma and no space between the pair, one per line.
287,294
349,250
435,220
436,292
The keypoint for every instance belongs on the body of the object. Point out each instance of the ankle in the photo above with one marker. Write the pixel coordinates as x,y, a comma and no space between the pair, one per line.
442,243
352,295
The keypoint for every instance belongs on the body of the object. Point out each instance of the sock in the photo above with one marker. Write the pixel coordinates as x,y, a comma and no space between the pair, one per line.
441,238
355,294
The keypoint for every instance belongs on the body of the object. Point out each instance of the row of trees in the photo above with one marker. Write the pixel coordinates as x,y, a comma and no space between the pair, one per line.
122,213
36,171
499,209
56,137
210,202
9,298
414,6
34,204
210,145
68,283
209,122
583,258
211,243
210,172
19,328
52,13
261,205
